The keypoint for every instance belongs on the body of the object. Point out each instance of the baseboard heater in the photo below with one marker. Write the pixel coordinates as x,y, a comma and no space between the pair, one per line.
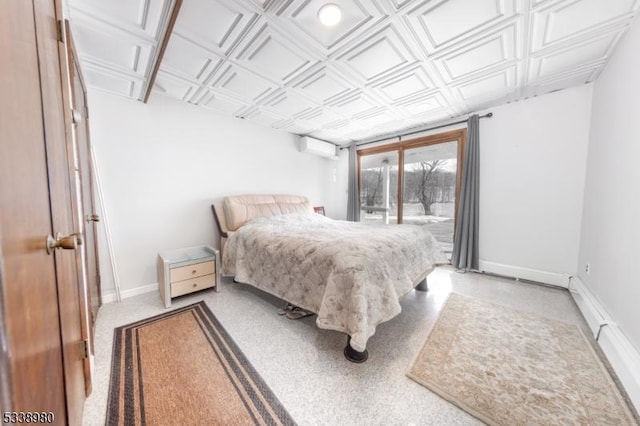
623,356
519,273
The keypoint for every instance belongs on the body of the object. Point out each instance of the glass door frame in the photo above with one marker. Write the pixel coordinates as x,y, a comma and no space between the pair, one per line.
458,135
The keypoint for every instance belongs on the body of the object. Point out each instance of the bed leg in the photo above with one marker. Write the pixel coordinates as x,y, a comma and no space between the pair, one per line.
353,355
422,286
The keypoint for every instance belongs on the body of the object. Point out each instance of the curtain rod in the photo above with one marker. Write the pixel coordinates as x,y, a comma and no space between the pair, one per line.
487,115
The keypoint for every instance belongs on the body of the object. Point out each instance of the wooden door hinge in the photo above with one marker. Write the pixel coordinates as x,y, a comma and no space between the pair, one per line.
84,349
60,30
76,116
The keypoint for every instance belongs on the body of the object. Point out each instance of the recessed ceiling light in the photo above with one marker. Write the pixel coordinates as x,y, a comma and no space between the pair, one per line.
330,14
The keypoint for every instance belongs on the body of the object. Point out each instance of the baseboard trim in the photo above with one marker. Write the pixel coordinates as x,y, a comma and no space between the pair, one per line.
621,354
552,278
111,296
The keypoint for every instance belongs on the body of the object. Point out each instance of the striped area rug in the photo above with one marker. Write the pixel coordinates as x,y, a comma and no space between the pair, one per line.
181,367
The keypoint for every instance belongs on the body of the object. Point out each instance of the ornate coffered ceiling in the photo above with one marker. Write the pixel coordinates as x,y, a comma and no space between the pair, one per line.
389,65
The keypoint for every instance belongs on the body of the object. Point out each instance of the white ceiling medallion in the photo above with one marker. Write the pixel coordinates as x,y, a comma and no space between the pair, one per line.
330,15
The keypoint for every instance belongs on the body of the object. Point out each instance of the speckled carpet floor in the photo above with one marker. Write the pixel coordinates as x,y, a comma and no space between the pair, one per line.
509,367
181,367
303,365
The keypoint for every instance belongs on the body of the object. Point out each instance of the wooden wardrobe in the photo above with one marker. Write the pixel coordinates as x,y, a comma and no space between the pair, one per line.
49,278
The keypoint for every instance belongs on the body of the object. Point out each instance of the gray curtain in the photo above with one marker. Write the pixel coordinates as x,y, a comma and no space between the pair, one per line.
353,202
465,244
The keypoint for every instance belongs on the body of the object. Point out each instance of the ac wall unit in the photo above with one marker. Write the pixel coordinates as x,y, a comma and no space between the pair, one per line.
318,147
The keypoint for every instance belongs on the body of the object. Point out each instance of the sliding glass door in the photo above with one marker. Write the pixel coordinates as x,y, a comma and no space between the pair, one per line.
425,192
429,193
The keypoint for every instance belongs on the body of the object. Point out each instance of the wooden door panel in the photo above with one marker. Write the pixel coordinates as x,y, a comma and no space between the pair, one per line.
88,203
60,158
27,273
87,259
86,186
40,293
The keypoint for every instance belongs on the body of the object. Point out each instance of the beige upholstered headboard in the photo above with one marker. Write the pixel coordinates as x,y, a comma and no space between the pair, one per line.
235,210
239,209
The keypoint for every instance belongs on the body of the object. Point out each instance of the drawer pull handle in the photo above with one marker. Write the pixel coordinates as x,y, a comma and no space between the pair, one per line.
195,285
193,272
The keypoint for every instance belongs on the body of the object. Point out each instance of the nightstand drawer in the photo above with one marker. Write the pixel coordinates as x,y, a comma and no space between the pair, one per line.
185,270
192,271
187,286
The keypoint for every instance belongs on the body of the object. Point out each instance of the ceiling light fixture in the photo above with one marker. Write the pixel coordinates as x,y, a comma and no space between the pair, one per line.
330,14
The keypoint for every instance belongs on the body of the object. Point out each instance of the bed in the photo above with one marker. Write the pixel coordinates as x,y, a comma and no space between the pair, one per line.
351,275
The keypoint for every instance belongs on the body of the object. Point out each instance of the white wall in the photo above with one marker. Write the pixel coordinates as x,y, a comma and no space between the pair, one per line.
611,217
532,169
162,164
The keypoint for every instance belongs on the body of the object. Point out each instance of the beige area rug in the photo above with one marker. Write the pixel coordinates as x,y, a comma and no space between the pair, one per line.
182,368
507,367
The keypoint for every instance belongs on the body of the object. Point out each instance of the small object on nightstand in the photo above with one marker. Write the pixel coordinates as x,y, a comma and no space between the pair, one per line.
183,271
319,210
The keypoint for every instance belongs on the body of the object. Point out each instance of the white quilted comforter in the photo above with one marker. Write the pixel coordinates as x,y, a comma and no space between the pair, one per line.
352,275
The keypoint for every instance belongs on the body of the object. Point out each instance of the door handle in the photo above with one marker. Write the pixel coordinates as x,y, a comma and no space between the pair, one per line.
69,242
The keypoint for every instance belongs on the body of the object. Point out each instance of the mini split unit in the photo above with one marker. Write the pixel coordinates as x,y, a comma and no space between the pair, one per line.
318,147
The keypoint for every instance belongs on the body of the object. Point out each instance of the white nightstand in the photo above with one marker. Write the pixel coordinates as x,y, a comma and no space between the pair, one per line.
183,271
